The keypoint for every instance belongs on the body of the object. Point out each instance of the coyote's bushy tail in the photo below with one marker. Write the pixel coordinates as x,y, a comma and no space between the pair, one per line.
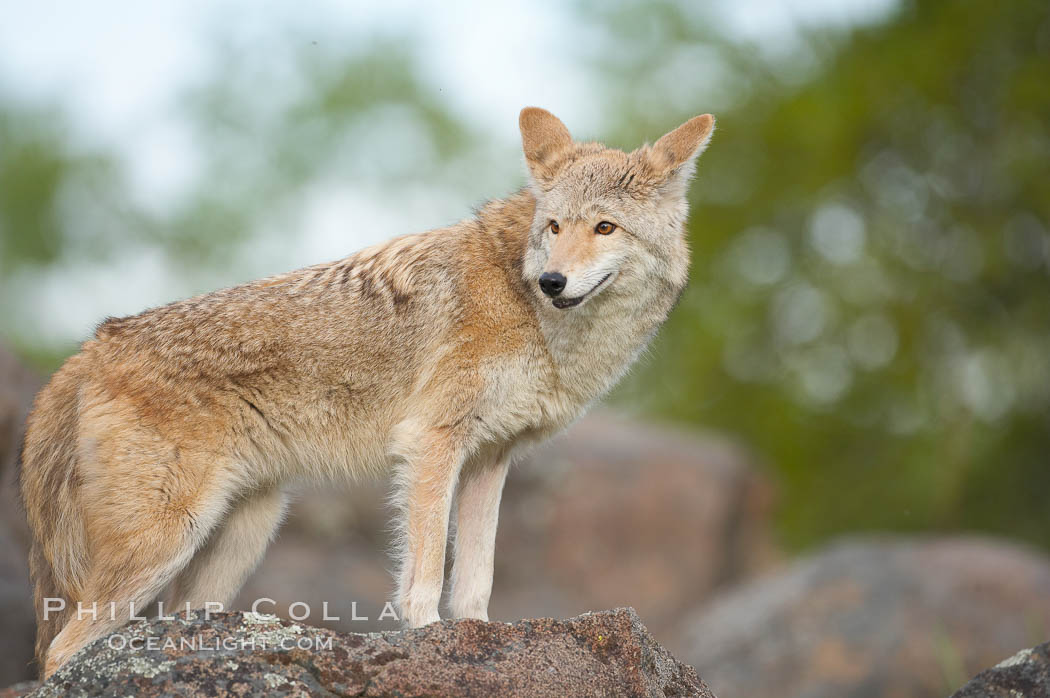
50,481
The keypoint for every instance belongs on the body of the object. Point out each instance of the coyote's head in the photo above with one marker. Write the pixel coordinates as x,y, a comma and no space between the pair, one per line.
605,218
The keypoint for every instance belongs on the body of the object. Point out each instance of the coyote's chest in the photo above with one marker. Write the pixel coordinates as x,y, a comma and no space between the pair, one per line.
591,352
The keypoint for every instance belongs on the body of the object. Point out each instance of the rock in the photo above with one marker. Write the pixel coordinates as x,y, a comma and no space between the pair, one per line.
16,613
1026,674
879,617
613,513
18,385
600,654
333,549
619,513
19,689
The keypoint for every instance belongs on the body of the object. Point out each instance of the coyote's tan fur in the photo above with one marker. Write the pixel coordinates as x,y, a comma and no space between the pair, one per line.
155,459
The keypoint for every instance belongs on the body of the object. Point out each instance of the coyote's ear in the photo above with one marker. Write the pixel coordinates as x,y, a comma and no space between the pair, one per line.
543,137
674,155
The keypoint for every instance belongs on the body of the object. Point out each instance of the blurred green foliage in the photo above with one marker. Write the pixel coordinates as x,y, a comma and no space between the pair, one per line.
870,303
358,114
38,165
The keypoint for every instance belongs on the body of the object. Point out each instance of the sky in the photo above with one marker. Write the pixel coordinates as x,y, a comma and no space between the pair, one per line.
117,67
119,63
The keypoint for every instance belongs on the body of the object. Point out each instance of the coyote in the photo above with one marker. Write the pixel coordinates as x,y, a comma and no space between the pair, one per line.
155,460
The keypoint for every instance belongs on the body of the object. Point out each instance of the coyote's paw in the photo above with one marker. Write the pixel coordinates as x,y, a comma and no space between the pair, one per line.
419,609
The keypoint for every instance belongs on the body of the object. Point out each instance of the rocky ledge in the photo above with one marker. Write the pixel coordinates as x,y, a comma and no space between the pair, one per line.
1024,675
596,654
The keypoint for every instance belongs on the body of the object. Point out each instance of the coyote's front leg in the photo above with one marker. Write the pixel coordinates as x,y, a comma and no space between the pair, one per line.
427,484
477,515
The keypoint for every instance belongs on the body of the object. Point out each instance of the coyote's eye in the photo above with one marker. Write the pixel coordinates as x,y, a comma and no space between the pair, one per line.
554,227
604,228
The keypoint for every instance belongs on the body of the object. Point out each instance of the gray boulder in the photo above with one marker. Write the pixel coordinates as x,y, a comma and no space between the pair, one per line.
17,387
1025,674
873,618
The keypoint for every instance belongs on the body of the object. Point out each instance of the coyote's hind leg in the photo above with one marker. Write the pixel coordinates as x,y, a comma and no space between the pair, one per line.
144,517
233,550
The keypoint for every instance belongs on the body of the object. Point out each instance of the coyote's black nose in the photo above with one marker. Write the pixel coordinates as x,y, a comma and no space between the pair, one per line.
552,283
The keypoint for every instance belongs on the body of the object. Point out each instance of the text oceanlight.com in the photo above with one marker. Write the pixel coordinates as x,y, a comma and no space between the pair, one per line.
199,643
